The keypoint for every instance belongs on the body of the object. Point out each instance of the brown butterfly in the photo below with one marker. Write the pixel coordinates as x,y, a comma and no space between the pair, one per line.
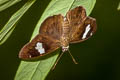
58,31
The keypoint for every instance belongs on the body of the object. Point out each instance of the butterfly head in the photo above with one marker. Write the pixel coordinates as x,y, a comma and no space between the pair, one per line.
65,48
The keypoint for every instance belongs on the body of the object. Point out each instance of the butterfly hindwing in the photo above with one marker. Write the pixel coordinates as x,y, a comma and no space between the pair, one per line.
39,46
52,26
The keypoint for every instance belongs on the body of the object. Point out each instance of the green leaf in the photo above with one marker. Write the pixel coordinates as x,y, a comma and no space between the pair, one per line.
7,3
38,70
6,36
118,6
10,25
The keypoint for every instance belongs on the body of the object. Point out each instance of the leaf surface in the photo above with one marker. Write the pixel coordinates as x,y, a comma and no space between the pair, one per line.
118,8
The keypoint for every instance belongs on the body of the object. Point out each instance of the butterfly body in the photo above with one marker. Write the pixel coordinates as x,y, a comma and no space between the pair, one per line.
58,31
65,37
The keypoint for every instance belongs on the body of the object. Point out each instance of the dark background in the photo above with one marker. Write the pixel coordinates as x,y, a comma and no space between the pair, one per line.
98,57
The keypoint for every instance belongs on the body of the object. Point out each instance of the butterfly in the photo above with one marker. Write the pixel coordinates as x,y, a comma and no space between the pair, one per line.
58,32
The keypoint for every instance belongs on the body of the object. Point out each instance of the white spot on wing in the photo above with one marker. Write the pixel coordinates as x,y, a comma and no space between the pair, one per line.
40,48
91,34
30,56
86,31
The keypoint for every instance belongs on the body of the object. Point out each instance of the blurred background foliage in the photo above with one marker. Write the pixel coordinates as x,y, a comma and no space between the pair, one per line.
98,57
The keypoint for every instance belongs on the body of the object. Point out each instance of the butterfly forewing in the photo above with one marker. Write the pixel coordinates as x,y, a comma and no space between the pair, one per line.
76,18
88,29
81,26
39,46
47,41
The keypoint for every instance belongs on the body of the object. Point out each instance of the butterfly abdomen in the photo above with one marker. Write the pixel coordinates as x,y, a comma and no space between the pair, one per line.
65,33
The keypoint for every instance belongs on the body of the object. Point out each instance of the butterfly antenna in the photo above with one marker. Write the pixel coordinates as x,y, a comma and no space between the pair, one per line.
72,57
57,60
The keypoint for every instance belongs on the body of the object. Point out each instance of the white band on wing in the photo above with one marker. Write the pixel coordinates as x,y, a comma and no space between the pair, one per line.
86,31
